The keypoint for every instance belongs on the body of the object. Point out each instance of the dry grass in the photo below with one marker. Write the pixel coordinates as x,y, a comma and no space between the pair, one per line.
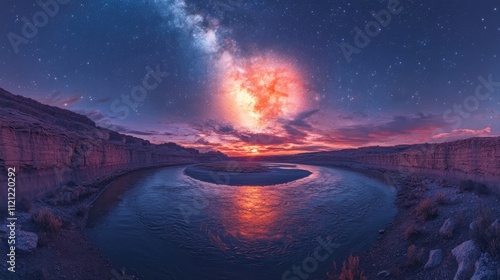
69,195
441,198
482,189
486,236
43,239
415,257
444,183
412,232
426,210
350,270
471,186
467,185
47,221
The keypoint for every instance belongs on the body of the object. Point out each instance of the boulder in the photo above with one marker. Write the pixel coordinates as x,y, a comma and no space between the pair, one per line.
486,268
473,225
26,241
5,230
435,258
383,273
466,255
447,228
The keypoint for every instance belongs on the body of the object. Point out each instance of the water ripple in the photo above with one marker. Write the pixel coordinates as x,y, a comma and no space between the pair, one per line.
170,226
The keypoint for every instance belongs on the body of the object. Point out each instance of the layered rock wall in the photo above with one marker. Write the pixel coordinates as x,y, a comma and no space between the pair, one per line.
51,147
477,159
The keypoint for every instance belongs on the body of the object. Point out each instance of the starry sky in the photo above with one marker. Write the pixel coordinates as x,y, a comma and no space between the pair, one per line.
249,77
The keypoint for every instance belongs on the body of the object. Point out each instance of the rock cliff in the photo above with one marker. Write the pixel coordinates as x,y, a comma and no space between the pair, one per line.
475,158
49,147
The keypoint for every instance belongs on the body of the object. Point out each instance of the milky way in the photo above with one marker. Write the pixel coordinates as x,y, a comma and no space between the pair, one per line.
259,90
263,76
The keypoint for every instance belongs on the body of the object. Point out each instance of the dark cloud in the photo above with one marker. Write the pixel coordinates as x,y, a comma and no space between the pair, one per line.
217,127
261,138
292,131
126,130
94,115
102,100
202,141
297,126
364,99
300,119
413,128
254,138
352,116
58,99
205,142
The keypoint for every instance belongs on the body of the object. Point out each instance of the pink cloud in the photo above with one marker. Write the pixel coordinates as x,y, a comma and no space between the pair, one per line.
462,133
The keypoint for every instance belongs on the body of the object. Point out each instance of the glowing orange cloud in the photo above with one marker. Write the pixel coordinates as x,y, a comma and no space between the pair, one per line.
258,90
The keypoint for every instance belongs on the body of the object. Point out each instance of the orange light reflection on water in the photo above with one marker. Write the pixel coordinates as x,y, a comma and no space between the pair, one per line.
253,214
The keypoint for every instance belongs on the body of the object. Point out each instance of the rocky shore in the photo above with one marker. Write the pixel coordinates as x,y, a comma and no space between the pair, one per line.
61,161
58,247
476,159
442,231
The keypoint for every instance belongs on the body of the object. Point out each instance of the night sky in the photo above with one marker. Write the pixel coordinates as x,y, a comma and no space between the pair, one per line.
260,77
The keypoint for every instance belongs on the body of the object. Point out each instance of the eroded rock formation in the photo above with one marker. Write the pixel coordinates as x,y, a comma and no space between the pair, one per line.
51,147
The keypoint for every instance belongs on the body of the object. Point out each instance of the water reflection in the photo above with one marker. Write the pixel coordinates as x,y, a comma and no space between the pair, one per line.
252,213
238,232
111,196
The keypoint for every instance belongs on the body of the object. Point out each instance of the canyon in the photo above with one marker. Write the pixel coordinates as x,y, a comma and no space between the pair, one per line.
54,149
476,159
51,147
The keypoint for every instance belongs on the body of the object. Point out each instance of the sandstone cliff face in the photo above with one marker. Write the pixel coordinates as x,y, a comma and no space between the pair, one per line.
476,158
49,147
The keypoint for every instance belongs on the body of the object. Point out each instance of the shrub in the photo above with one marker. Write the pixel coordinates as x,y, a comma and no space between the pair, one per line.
441,198
68,196
43,239
426,209
415,257
486,236
47,221
444,183
467,185
479,188
482,189
412,232
350,270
